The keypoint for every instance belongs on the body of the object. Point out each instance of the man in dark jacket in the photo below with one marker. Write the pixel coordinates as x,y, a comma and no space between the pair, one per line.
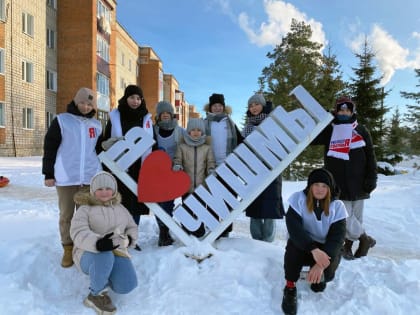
350,157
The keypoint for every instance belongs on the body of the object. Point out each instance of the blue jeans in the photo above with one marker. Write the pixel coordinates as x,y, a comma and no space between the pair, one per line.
263,229
106,269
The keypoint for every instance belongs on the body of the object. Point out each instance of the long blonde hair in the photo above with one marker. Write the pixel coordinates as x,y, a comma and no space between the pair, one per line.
324,203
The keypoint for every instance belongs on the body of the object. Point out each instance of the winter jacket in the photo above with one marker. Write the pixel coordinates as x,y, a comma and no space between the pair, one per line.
356,177
168,140
269,204
232,135
307,232
69,148
94,219
118,127
198,162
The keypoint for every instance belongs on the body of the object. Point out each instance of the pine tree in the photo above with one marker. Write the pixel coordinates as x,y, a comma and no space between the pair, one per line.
413,117
298,61
369,96
396,142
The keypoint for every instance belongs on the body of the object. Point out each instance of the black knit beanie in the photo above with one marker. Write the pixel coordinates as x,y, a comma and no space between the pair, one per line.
320,175
131,90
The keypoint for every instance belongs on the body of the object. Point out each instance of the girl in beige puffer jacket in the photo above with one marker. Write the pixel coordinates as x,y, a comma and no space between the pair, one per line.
102,229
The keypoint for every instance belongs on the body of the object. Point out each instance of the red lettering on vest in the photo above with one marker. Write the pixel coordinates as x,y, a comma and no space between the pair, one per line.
91,132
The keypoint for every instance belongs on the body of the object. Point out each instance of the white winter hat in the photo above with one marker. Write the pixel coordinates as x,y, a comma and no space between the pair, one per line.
103,180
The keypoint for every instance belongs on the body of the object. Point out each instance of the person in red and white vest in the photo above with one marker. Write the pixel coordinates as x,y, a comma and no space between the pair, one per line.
350,157
131,112
70,161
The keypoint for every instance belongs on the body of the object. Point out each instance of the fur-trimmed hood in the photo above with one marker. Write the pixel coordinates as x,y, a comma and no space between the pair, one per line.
228,109
85,198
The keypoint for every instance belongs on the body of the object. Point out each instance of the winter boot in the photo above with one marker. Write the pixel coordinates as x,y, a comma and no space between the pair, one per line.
289,303
318,287
346,250
365,243
67,260
101,303
165,238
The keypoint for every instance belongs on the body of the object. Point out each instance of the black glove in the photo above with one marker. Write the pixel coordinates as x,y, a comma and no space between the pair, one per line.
105,243
370,185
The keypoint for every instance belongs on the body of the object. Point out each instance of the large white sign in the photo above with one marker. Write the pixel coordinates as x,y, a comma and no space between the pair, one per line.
244,175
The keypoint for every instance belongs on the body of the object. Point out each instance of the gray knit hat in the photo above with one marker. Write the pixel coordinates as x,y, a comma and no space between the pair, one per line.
196,123
164,106
103,180
85,95
257,98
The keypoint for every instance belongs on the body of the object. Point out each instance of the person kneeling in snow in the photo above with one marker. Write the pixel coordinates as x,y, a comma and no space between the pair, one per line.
316,223
102,229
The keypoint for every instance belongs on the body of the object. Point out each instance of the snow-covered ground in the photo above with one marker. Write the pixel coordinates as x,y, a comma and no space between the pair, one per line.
243,276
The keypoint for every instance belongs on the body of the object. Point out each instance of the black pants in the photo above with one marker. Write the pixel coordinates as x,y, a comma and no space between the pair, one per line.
295,259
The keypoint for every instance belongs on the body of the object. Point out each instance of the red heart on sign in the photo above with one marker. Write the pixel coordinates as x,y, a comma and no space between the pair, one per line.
158,182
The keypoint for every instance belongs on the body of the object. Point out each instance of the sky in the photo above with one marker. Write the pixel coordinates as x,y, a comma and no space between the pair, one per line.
220,46
243,277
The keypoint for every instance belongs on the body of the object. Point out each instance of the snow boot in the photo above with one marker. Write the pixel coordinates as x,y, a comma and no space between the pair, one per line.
346,250
318,287
101,303
165,238
289,303
365,243
67,260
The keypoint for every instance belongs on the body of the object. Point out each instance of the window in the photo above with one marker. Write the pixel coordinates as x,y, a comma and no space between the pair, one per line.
3,10
52,3
52,80
48,119
122,59
2,118
129,65
102,47
102,10
102,84
2,59
28,24
27,71
122,83
28,118
50,38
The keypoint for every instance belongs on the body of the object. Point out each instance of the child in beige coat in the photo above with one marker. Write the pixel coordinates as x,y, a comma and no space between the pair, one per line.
102,229
194,156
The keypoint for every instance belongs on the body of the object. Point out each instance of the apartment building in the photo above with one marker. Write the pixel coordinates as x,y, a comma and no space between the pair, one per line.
51,48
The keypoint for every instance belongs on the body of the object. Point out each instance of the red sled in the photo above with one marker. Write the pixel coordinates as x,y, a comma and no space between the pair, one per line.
3,181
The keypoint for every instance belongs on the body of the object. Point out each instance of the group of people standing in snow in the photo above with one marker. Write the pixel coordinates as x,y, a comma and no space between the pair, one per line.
323,220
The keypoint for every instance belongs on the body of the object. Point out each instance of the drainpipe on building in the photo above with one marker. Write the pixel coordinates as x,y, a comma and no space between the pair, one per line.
12,116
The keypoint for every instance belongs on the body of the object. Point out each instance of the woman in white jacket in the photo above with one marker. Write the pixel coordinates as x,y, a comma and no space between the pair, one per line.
102,229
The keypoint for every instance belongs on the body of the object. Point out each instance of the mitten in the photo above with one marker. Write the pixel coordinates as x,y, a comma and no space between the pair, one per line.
177,168
369,185
105,243
110,142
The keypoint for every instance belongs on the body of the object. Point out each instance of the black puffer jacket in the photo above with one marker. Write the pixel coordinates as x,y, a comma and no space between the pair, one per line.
356,177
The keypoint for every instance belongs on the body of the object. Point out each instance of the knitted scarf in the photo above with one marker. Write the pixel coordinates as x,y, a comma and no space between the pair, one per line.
194,142
344,138
167,125
252,122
